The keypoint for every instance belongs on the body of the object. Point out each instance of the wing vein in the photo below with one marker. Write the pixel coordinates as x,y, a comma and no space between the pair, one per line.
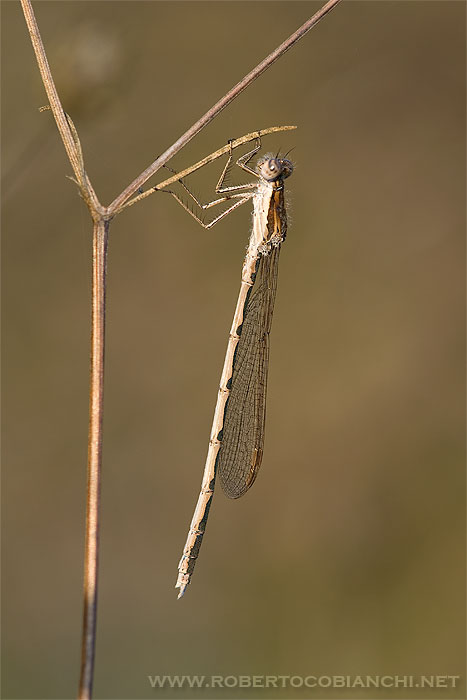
240,455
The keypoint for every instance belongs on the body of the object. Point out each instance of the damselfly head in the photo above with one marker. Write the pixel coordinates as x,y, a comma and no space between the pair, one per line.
273,168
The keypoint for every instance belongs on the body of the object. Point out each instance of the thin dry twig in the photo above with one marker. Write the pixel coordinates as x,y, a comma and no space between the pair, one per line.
101,216
219,106
56,107
96,404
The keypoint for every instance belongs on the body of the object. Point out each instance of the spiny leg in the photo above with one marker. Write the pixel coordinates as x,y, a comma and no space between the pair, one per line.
208,205
241,199
240,196
243,160
242,163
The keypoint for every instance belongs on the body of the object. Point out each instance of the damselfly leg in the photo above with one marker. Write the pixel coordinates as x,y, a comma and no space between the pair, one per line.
233,190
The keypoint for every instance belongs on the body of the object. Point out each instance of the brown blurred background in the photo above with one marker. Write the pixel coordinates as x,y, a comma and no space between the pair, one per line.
347,556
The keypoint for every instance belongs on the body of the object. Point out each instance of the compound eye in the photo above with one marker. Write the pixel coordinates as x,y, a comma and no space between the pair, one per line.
286,167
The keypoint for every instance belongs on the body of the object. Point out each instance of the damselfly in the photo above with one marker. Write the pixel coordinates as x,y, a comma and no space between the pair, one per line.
237,435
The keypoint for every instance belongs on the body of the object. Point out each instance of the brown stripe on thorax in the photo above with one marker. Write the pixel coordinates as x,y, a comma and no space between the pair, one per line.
277,218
